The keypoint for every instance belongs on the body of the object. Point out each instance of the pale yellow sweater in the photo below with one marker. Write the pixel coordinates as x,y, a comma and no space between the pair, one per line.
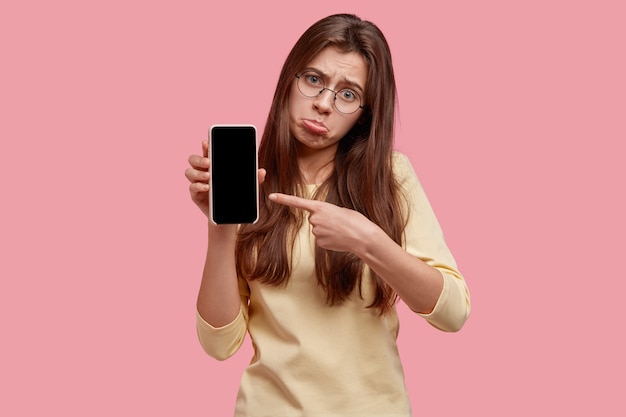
316,360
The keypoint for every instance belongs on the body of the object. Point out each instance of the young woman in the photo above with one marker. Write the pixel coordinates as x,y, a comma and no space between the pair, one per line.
345,229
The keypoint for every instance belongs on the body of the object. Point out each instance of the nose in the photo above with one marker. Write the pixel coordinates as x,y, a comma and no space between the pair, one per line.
324,102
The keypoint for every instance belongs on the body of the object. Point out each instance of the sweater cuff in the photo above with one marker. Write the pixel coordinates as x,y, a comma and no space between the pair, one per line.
221,342
452,307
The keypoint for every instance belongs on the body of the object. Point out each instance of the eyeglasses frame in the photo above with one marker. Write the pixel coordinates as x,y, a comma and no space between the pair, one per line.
329,89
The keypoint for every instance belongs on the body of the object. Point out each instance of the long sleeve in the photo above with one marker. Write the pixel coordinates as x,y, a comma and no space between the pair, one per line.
425,240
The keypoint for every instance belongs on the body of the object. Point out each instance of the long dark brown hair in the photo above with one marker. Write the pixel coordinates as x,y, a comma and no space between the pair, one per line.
362,178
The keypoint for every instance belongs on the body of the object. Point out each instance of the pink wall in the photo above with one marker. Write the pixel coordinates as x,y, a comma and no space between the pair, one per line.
513,114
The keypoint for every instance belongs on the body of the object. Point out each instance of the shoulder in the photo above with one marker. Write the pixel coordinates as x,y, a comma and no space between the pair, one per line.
403,169
408,183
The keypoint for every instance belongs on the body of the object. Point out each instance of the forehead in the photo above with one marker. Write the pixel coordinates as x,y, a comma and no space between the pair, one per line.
337,65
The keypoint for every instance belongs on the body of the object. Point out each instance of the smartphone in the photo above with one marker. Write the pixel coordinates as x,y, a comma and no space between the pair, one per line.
234,181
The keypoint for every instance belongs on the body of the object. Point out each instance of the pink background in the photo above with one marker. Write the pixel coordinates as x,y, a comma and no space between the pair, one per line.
513,113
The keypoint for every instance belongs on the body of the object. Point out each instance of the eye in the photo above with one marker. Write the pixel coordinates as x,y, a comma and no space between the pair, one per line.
314,80
347,95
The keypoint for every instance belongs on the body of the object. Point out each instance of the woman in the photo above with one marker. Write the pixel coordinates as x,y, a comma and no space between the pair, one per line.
344,230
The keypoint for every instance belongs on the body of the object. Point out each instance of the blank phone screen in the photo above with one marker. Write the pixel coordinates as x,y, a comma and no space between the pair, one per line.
234,180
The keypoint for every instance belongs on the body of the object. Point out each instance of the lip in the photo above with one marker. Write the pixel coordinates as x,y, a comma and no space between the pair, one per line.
315,126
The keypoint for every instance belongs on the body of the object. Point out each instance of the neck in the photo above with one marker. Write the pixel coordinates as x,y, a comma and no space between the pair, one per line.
316,165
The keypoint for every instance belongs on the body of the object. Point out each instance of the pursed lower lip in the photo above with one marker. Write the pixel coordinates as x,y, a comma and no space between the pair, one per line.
315,127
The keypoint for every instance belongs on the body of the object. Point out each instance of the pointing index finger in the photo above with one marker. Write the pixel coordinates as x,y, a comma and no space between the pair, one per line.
293,201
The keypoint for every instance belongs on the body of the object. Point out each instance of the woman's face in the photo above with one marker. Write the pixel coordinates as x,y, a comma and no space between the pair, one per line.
315,122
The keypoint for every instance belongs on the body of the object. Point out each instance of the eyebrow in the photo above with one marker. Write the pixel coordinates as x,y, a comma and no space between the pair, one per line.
346,81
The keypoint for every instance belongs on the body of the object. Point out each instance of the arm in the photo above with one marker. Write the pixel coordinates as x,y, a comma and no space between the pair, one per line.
340,229
221,309
424,240
218,300
221,320
423,273
418,284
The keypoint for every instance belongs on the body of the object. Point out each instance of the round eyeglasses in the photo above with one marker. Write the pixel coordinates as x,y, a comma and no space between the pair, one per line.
311,84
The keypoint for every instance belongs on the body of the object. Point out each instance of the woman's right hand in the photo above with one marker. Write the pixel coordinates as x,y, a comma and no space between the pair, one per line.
198,175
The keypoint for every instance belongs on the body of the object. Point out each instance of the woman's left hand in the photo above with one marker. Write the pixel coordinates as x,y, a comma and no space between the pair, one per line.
335,228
